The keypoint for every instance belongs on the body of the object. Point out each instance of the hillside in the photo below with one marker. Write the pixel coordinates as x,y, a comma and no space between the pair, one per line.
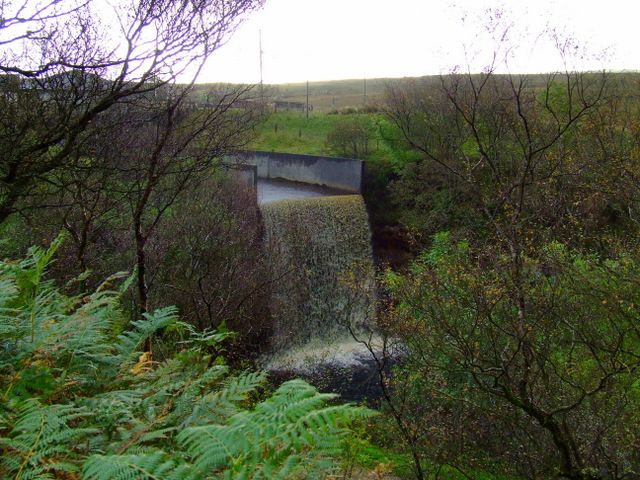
332,95
326,96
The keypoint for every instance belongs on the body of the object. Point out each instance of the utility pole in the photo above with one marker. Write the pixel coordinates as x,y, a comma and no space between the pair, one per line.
365,92
261,83
307,99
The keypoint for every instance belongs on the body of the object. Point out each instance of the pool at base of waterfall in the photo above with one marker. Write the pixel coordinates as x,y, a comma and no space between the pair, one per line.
341,353
345,367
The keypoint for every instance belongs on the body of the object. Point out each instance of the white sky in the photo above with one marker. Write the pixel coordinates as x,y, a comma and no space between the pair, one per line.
339,39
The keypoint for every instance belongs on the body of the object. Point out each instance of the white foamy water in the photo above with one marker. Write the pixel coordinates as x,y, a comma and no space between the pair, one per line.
339,353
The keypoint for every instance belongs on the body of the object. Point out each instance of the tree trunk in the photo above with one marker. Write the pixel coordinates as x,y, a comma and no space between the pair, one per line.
141,273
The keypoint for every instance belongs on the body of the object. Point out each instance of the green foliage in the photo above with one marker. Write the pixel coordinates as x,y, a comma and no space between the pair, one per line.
79,397
400,152
293,431
363,453
383,456
351,138
565,367
293,133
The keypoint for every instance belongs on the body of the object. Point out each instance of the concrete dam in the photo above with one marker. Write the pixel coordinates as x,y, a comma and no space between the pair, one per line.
318,238
335,174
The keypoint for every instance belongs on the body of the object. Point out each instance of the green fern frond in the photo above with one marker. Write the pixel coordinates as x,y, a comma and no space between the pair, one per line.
9,323
28,273
273,436
205,338
155,465
180,419
42,437
209,446
217,406
87,331
128,342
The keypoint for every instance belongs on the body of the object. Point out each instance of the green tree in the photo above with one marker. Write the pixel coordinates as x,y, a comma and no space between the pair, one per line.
555,396
511,327
350,138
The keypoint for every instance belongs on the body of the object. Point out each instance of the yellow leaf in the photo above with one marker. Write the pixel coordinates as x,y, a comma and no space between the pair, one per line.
143,365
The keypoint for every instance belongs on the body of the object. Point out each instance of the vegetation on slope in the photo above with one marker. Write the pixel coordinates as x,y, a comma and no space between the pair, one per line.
80,397
519,320
518,324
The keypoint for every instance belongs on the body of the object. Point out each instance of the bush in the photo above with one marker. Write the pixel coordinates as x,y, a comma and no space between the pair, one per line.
350,138
348,110
216,274
550,393
370,108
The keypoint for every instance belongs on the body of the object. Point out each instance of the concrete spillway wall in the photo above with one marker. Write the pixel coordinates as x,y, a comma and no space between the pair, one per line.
339,173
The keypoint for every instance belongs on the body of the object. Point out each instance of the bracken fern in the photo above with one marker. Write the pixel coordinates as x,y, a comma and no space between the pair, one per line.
79,399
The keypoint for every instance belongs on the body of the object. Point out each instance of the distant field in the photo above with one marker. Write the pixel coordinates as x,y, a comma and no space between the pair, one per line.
292,132
323,96
327,96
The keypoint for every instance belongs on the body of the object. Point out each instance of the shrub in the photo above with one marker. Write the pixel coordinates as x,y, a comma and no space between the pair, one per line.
216,274
549,394
350,138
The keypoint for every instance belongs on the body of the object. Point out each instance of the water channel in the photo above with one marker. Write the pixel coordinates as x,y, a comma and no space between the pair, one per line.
270,190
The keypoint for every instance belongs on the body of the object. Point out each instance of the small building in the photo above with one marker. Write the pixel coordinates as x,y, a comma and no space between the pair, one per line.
284,105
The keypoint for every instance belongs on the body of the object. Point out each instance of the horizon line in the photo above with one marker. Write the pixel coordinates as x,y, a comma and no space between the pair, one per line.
404,77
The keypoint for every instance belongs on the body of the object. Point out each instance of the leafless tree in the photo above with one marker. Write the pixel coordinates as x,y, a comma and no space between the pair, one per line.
67,61
160,146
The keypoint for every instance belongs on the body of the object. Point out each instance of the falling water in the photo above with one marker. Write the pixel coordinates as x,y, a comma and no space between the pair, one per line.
322,258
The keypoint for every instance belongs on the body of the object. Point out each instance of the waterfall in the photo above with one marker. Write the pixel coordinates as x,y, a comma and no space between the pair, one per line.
321,254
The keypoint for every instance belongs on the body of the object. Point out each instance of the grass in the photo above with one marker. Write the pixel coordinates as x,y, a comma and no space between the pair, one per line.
332,95
293,132
323,96
373,458
375,448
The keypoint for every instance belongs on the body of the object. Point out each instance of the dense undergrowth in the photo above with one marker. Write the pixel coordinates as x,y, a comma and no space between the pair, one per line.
80,399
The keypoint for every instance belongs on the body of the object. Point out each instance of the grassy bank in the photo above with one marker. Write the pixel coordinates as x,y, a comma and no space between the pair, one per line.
293,132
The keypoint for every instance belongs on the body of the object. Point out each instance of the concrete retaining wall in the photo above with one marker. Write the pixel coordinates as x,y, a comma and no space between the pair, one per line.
339,173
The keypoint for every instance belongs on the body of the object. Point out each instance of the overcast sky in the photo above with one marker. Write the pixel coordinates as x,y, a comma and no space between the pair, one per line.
339,39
